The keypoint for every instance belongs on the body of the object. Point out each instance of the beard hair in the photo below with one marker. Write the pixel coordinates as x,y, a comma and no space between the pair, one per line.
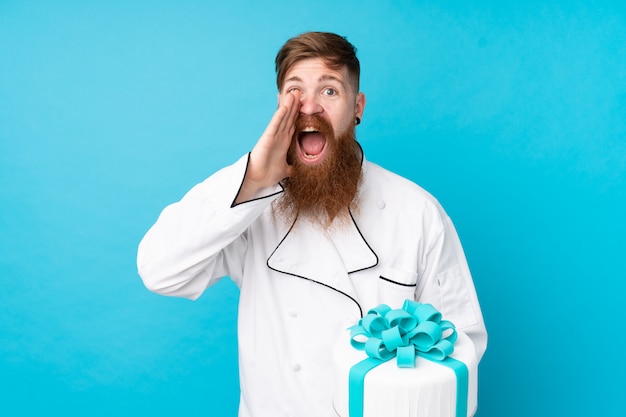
326,191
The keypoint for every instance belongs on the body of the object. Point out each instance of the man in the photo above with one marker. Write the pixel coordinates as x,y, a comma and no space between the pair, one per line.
312,233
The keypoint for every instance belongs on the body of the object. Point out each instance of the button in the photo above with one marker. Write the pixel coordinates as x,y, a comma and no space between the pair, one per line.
293,313
296,367
380,204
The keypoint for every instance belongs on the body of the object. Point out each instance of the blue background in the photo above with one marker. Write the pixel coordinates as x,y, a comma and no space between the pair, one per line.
514,116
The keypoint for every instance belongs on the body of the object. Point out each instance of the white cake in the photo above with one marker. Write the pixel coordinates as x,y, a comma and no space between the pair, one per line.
428,390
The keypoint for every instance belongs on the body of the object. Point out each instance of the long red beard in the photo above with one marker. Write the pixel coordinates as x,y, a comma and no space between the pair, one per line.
327,190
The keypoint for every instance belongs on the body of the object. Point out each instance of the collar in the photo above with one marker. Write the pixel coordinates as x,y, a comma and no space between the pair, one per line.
325,256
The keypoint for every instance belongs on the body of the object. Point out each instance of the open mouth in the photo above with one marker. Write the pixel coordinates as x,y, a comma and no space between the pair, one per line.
311,144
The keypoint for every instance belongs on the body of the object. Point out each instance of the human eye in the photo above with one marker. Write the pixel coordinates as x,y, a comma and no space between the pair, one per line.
292,89
330,92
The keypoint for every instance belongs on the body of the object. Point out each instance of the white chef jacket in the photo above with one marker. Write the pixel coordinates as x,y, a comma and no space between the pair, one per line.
301,286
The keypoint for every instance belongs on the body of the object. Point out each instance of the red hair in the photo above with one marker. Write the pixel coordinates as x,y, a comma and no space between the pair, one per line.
335,50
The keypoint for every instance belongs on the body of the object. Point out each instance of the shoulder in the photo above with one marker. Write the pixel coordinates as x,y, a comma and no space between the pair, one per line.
393,187
398,209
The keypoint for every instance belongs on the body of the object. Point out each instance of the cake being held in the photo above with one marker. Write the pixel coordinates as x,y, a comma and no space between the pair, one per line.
434,373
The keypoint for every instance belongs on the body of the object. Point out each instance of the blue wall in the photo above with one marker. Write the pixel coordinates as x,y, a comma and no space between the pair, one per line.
514,116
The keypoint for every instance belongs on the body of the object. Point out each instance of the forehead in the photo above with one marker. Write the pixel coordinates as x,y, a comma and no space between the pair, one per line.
313,70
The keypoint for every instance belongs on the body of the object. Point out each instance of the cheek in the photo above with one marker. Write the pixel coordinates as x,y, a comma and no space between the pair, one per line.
340,125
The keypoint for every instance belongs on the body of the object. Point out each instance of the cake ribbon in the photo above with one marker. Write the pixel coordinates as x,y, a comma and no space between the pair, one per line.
414,330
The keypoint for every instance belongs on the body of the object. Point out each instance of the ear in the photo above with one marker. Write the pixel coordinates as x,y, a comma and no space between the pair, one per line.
359,108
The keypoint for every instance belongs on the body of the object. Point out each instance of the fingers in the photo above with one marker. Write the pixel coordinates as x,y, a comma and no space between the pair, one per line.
284,119
295,108
268,159
292,105
277,120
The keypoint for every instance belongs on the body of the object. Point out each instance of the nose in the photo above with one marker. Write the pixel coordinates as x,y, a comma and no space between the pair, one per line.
309,105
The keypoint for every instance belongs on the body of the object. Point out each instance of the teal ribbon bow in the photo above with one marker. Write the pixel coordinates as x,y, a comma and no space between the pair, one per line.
415,329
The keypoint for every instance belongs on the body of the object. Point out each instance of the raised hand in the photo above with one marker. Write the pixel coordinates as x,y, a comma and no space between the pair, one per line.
268,159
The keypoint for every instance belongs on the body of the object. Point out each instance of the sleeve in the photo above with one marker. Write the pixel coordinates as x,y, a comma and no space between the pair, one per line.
447,278
203,237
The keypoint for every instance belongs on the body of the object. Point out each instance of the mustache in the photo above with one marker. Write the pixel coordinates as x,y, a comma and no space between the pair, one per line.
314,121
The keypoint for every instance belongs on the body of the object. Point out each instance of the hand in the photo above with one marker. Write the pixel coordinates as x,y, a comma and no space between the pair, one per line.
268,159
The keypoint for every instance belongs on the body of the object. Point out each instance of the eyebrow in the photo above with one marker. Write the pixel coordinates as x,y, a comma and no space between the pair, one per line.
328,77
324,77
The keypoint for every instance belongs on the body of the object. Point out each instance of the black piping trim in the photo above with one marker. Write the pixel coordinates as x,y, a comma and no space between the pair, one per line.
364,240
232,205
362,153
321,283
397,283
267,262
